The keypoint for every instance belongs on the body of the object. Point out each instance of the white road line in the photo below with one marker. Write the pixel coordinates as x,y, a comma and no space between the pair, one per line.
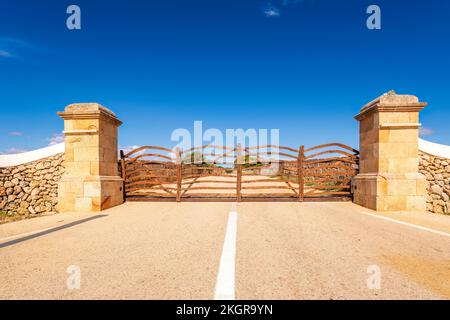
226,277
445,234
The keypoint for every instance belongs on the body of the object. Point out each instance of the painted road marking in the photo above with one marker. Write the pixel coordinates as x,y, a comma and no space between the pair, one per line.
445,234
226,276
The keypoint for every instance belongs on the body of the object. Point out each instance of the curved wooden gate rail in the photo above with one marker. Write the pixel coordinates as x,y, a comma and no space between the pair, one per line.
262,173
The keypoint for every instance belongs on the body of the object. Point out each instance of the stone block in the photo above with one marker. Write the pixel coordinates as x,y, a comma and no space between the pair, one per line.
92,189
402,165
402,135
83,153
416,203
83,204
78,168
401,187
394,117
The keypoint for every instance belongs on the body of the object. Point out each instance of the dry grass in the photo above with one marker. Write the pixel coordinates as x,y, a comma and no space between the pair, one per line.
6,218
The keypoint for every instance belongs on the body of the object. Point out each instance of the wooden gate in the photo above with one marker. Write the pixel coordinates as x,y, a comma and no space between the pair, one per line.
262,173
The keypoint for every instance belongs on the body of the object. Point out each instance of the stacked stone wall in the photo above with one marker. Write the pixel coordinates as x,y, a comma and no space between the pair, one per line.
437,172
31,188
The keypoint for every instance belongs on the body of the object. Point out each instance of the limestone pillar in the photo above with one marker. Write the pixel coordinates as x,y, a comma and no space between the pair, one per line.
91,181
389,178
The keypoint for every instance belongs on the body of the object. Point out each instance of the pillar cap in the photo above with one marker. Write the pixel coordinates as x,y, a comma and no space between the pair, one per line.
392,102
91,110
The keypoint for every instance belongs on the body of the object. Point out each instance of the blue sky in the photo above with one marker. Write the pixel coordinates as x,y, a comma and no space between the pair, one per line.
304,67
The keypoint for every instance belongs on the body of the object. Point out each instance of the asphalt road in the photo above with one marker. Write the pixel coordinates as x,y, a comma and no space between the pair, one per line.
277,251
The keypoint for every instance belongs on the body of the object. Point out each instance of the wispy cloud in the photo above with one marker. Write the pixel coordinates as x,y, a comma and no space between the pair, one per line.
5,54
270,10
15,133
424,131
13,151
55,139
273,12
15,48
9,45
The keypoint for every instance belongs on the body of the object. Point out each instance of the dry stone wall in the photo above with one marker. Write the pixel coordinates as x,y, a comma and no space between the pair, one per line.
437,172
32,188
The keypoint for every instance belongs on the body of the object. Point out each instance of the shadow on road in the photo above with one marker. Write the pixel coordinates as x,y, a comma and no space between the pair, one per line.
43,233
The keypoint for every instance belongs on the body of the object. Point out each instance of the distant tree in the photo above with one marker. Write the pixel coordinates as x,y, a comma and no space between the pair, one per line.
249,162
193,157
196,158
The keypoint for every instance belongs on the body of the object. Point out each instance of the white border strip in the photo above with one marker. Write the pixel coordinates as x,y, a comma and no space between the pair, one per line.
441,233
226,277
11,160
434,149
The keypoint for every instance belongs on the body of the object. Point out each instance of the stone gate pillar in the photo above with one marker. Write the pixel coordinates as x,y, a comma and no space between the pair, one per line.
91,181
389,178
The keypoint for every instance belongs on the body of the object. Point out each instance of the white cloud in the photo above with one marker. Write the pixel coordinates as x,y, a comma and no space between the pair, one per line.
55,139
272,13
424,131
13,151
5,54
15,48
270,10
15,133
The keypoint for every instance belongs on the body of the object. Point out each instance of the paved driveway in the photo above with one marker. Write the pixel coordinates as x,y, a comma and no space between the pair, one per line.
225,250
